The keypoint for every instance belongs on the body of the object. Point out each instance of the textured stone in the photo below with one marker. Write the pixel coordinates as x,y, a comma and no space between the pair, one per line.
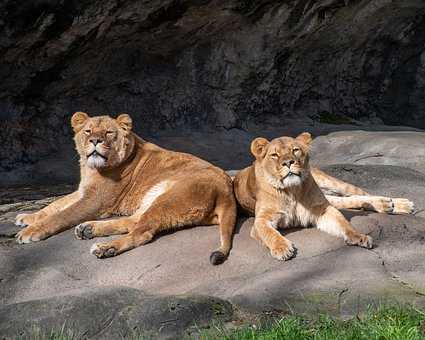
113,313
172,262
397,148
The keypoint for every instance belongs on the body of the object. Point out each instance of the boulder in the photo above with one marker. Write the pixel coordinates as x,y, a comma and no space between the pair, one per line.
399,148
40,278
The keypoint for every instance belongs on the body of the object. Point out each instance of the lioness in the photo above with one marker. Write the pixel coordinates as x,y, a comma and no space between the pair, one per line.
282,191
153,188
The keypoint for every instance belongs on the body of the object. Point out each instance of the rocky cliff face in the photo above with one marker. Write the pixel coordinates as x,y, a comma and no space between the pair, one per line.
202,64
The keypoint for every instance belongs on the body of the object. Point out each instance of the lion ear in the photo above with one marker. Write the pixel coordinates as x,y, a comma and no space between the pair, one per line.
78,120
259,147
304,138
125,121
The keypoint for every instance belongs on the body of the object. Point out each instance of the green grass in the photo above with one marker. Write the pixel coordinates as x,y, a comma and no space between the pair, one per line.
393,323
383,323
60,334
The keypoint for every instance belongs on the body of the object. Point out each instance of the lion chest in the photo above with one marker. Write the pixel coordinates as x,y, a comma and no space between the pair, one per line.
292,214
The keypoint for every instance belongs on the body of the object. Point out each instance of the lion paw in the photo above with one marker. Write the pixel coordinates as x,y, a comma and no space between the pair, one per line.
402,206
22,220
283,251
383,205
83,231
29,234
393,205
360,240
103,250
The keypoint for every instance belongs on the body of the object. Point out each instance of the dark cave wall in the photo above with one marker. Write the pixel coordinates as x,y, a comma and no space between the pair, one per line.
176,65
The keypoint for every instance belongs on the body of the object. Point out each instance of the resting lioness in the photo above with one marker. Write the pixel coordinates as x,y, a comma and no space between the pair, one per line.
155,189
281,190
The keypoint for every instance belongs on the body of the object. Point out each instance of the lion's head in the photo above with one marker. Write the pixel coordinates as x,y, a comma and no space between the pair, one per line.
102,142
284,162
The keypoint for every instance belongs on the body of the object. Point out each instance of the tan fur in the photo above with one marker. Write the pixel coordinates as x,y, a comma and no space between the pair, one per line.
341,195
153,189
281,191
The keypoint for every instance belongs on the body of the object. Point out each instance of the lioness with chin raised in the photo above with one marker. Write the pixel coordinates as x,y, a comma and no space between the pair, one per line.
281,190
153,189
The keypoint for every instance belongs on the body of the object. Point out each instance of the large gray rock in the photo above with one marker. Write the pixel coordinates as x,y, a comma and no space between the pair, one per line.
136,289
400,148
38,279
188,65
113,313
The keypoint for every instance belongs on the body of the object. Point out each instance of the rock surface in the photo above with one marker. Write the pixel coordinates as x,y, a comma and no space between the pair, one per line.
211,64
59,280
114,313
405,148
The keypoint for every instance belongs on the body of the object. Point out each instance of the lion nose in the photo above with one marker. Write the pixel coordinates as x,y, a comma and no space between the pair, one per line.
95,141
289,163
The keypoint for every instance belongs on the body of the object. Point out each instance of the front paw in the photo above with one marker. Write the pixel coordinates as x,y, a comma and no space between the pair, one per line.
360,240
30,234
23,220
84,231
283,251
103,250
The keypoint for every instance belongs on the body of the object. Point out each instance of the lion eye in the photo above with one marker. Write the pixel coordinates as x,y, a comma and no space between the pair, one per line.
109,132
296,151
274,155
87,132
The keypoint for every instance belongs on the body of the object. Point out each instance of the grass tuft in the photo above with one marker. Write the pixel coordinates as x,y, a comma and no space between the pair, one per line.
59,334
384,323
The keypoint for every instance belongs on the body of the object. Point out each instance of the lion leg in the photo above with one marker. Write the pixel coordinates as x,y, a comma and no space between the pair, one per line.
334,223
331,184
132,240
63,219
280,247
374,203
24,220
166,212
90,229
